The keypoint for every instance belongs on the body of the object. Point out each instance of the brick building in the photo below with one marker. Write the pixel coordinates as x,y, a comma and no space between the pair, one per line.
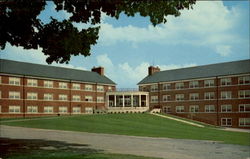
217,94
33,90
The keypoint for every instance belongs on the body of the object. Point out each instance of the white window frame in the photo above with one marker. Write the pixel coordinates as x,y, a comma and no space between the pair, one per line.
226,121
76,98
194,108
32,95
48,109
88,110
179,97
179,109
245,121
209,95
225,81
32,109
88,87
209,83
166,86
194,84
244,94
209,108
228,108
63,97
246,107
88,98
194,96
226,95
166,97
14,81
48,84
244,80
100,88
32,82
16,109
100,99
63,85
154,99
63,109
76,110
154,88
76,86
48,96
14,95
179,85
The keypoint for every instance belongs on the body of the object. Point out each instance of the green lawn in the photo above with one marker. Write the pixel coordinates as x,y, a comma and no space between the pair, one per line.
136,125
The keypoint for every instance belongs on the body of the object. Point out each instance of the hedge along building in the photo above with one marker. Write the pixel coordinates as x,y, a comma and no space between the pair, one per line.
217,94
28,89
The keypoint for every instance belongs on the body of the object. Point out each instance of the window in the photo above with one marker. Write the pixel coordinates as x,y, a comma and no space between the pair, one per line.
48,96
244,94
167,86
89,110
100,88
179,85
179,97
154,88
63,85
209,108
154,99
14,95
226,95
76,98
88,87
209,83
63,97
179,109
14,81
76,110
100,99
244,80
194,96
226,121
244,108
226,108
209,95
88,98
166,98
167,109
32,109
194,108
48,84
225,81
193,84
63,109
76,86
32,96
14,109
244,122
32,82
48,109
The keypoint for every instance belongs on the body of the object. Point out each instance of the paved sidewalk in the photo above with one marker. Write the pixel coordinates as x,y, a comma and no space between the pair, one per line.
143,146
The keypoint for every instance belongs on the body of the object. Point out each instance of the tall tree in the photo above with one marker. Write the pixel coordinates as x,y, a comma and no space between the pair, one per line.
20,26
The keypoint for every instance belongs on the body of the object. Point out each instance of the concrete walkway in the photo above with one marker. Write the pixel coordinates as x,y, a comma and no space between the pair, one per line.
143,146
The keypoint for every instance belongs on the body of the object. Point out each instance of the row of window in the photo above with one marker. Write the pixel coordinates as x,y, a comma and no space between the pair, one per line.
49,96
207,83
207,96
49,84
208,108
242,122
48,109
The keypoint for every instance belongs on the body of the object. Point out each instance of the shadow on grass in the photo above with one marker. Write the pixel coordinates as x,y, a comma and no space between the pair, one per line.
10,147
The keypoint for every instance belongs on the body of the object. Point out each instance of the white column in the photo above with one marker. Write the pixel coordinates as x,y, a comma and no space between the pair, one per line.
146,100
132,102
108,100
123,102
139,100
115,100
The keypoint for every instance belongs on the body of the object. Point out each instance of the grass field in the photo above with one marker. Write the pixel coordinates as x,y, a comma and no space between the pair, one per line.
135,125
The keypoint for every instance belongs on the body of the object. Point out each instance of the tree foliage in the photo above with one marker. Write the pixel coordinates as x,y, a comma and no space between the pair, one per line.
20,25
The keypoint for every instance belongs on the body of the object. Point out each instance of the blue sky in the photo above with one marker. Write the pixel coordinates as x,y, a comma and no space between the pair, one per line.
213,32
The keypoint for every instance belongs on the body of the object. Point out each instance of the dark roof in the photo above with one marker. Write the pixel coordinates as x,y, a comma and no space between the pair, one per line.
45,71
213,70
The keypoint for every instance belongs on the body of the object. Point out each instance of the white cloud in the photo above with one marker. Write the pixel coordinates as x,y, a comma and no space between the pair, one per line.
128,76
208,24
223,50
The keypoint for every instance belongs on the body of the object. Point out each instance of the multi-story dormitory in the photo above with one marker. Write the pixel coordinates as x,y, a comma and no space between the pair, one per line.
217,94
33,90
